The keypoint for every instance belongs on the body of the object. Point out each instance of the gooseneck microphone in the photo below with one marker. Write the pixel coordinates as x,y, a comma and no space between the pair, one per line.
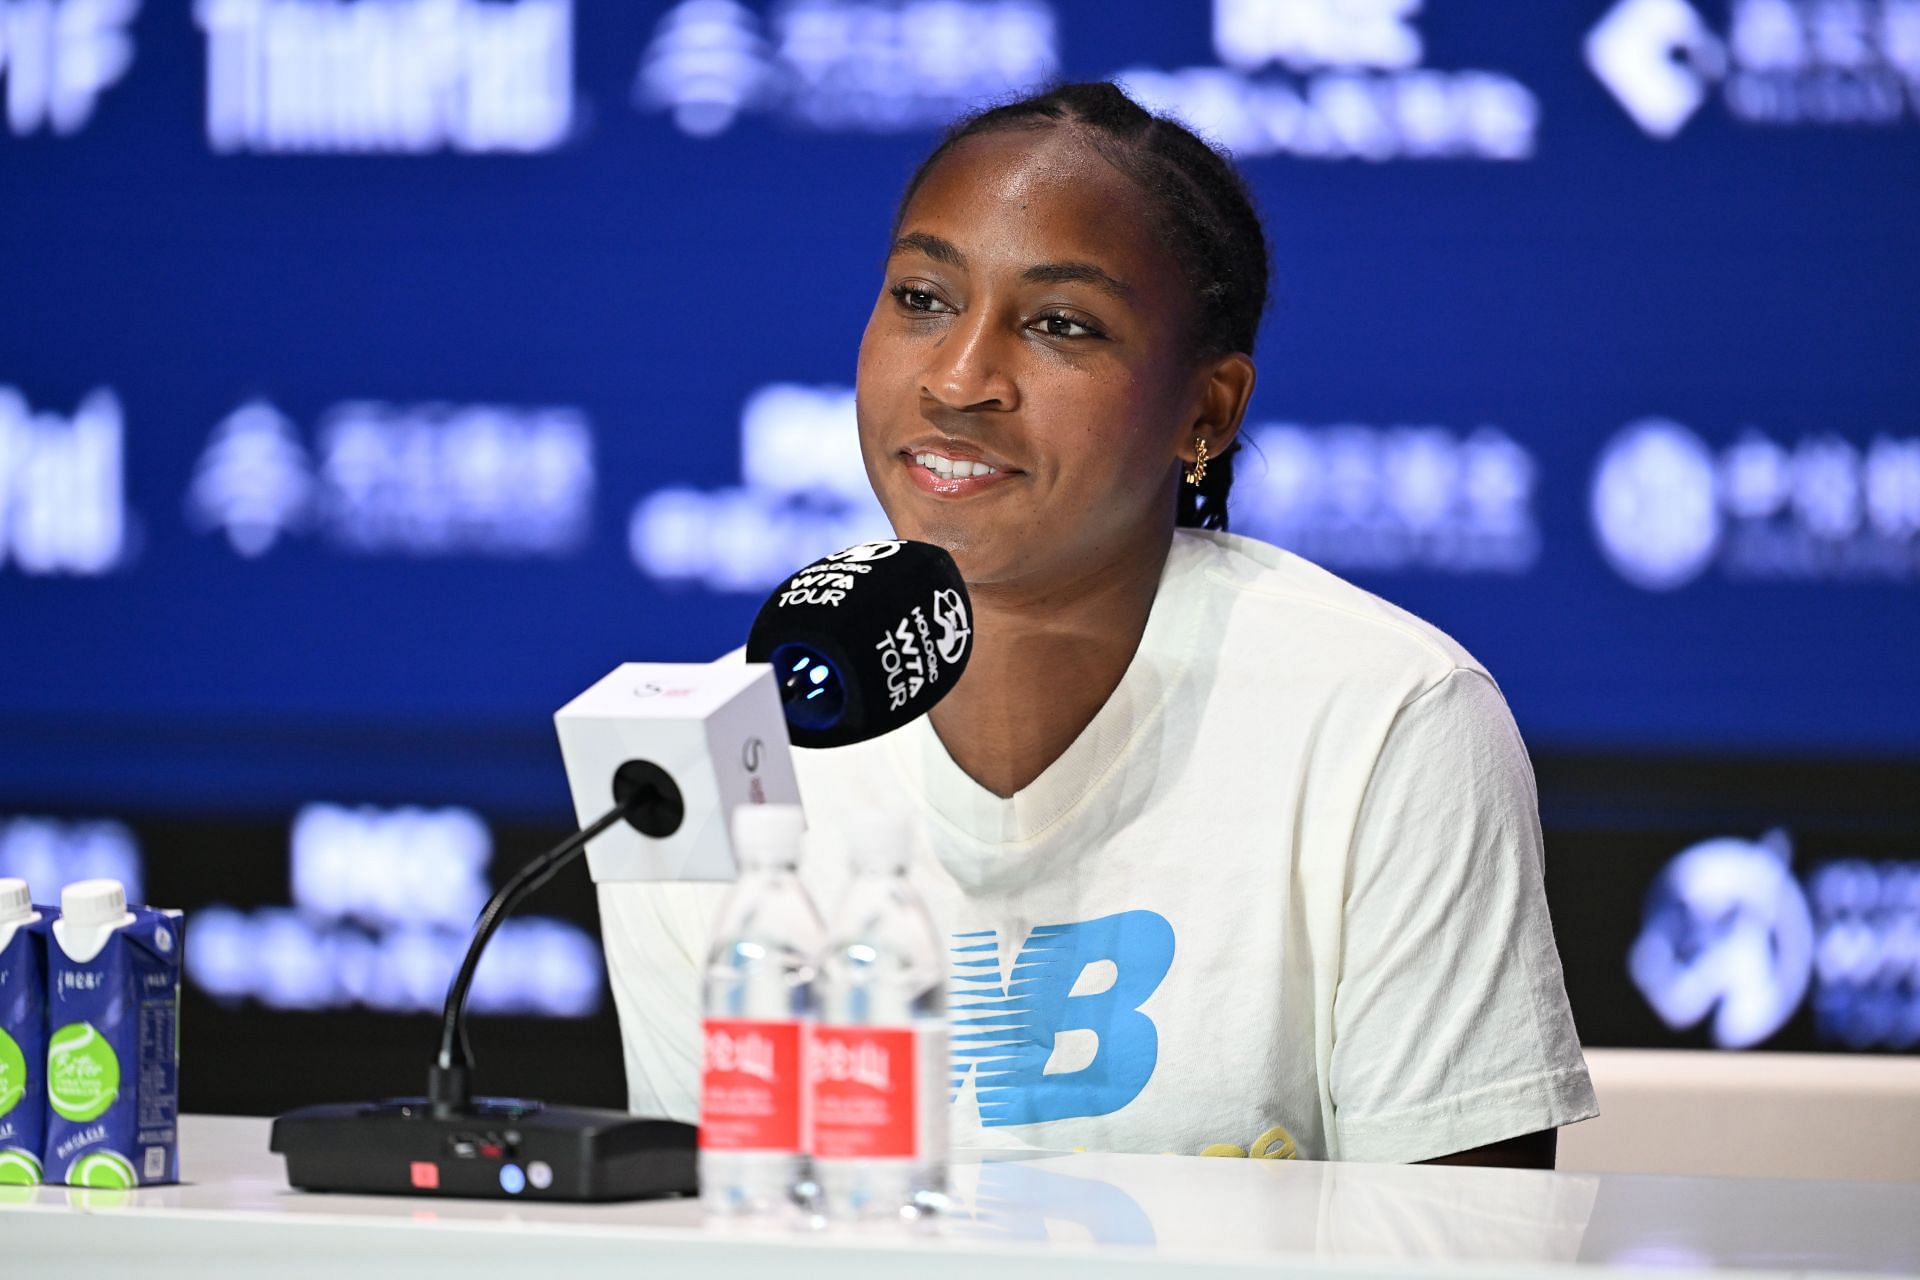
860,643
865,640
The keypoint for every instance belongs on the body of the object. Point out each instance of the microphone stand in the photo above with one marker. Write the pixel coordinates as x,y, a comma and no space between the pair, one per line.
452,1143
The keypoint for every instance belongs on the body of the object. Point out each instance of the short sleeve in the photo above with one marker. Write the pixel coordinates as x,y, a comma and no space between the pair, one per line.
1450,1021
656,937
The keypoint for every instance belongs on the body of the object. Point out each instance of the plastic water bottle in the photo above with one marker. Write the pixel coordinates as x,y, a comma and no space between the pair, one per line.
877,1057
758,998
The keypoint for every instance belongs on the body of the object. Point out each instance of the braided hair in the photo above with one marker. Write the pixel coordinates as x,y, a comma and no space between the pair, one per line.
1204,212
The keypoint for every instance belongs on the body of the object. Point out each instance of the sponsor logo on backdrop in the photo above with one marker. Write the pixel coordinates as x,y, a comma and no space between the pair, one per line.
1666,507
62,487
403,76
1340,80
1391,499
427,481
1726,936
383,905
1777,62
861,66
50,853
803,495
1867,958
1733,941
58,56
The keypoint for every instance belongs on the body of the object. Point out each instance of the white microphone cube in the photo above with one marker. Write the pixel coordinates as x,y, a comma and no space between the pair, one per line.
716,728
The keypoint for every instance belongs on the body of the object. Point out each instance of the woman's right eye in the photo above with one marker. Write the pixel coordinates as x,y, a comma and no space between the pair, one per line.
914,298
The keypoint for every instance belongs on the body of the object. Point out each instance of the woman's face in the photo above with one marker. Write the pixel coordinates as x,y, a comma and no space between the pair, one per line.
1024,387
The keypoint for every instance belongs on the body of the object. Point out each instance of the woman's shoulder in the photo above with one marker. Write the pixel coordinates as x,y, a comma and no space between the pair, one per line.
1279,603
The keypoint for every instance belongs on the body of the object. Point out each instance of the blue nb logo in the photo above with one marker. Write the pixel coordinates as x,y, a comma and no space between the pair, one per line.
1004,1026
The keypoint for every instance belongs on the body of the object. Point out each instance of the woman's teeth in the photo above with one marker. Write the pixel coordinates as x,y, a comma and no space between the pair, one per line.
949,469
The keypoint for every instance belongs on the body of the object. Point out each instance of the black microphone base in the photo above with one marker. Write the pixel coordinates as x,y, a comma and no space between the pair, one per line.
494,1149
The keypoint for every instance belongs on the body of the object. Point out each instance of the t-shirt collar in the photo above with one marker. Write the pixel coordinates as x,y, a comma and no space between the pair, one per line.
969,811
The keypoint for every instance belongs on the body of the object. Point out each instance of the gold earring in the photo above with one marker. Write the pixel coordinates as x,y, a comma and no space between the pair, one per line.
1199,469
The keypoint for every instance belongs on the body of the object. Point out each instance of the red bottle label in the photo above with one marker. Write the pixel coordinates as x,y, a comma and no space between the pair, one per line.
862,1082
750,1086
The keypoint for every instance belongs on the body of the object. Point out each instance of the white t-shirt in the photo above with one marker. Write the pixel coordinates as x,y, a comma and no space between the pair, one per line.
1282,895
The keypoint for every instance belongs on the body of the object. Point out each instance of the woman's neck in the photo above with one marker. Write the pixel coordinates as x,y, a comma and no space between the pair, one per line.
1045,660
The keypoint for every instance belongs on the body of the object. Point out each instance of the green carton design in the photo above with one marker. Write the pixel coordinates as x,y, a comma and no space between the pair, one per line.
112,1062
83,1073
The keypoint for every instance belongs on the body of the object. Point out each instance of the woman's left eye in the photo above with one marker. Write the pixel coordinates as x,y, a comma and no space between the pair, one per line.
1057,324
914,298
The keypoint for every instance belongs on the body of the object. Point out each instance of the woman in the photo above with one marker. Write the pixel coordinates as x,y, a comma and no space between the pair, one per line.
1263,847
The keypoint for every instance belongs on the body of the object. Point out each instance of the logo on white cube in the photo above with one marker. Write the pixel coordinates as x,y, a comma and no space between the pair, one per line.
716,729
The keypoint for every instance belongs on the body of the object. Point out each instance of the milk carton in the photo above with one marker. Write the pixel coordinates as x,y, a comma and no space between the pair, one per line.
113,1056
23,1036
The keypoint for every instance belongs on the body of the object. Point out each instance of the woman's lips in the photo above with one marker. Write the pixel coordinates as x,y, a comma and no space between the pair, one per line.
930,481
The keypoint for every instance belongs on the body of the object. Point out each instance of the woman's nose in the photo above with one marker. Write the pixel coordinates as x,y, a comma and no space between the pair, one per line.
969,368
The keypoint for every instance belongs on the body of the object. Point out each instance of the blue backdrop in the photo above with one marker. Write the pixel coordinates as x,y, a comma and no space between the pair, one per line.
373,377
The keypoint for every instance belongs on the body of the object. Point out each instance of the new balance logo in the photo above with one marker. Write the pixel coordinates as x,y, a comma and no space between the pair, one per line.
1061,1035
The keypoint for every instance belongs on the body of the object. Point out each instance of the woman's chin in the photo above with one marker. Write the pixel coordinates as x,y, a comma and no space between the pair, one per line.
983,555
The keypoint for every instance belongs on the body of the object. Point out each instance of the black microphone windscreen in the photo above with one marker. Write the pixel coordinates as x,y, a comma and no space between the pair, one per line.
865,640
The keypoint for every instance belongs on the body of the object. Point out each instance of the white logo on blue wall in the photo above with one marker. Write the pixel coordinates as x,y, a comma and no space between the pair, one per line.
803,494
59,56
707,63
1351,496
866,66
1061,1036
1658,58
254,480
1666,507
397,77
63,486
1654,504
1339,80
432,480
1780,63
1727,936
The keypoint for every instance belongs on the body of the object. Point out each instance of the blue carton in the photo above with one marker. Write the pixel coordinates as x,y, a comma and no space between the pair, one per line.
113,1057
23,1050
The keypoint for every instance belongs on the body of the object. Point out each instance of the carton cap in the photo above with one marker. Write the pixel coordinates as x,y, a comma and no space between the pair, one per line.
93,902
16,901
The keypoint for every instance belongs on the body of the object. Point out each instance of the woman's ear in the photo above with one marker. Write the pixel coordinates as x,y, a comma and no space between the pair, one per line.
1226,386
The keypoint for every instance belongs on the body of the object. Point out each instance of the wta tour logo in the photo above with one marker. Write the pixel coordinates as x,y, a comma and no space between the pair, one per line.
1727,940
1732,939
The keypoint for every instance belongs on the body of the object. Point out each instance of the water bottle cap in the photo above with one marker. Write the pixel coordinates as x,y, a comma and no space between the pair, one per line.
766,834
880,842
16,901
91,902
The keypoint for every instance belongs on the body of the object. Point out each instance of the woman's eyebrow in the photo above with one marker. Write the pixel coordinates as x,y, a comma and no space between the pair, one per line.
933,247
1078,273
946,251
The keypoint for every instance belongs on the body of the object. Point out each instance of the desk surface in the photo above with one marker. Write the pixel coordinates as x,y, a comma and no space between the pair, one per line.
1017,1216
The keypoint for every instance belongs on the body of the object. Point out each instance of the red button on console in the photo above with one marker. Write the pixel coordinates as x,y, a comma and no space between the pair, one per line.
425,1175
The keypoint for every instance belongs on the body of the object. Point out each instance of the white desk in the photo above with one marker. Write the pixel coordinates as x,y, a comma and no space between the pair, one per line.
1018,1217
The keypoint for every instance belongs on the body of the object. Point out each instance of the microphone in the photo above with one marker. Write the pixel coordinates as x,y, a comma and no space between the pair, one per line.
865,640
855,645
